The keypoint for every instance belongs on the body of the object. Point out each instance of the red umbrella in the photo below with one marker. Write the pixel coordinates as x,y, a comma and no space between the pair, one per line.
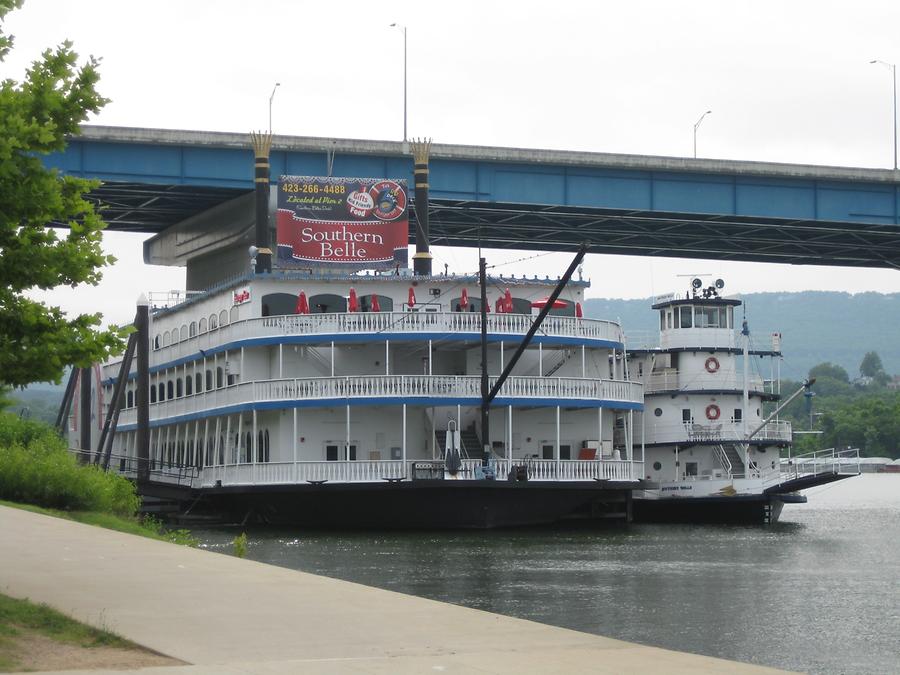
507,302
411,300
353,304
539,304
375,306
464,301
499,306
578,312
302,304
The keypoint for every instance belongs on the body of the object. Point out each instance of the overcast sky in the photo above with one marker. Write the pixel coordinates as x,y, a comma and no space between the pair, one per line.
786,81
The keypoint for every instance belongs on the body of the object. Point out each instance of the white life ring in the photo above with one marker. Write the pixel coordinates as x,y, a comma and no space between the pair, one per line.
713,412
712,364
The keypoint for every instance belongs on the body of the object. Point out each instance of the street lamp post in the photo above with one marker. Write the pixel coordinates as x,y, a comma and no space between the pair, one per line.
403,28
695,130
893,68
277,84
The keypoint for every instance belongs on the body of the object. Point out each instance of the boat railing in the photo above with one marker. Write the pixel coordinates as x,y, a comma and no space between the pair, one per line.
839,461
713,432
675,380
379,471
158,471
175,343
374,387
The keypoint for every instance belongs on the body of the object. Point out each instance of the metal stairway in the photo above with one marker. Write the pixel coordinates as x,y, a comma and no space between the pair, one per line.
730,459
468,438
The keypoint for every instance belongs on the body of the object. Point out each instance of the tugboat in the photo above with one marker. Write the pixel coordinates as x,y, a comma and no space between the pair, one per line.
710,452
332,386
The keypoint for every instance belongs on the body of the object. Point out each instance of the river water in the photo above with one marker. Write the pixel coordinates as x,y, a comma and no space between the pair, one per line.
818,592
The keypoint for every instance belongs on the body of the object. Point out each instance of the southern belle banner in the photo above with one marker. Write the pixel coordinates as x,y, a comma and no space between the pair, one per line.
342,222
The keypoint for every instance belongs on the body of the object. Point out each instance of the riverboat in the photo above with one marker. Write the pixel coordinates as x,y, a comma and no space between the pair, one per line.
296,389
713,449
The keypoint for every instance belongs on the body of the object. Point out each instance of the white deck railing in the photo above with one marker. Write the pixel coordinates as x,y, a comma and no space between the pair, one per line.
287,473
391,386
386,324
674,380
726,432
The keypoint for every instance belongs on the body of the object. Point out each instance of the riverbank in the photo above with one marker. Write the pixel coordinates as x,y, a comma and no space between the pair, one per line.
217,611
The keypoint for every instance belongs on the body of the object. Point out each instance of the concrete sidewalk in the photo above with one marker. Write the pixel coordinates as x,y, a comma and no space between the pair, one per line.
227,615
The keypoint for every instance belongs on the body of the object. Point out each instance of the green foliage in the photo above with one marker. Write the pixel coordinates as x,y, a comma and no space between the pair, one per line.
36,468
831,371
240,545
181,537
37,341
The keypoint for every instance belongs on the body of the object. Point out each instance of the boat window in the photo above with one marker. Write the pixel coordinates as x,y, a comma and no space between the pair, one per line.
385,304
233,314
170,390
331,453
184,332
156,342
247,450
686,415
266,446
738,415
202,325
690,468
192,330
223,318
129,398
167,339
179,391
219,377
658,412
152,394
213,322
657,466
162,391
685,317
327,303
730,317
209,380
706,317
723,318
662,319
276,304
188,385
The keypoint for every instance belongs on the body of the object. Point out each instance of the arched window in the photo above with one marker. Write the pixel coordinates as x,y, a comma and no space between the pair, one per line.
327,303
198,382
266,445
170,390
233,316
156,342
385,304
162,391
192,330
249,449
220,377
202,325
209,380
221,449
129,399
276,304
188,385
213,322
167,339
179,391
223,318
184,332
152,394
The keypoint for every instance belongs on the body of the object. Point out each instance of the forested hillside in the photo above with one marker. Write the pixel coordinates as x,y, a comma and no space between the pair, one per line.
817,326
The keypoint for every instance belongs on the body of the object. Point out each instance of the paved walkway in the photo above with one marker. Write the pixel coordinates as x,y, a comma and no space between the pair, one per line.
229,616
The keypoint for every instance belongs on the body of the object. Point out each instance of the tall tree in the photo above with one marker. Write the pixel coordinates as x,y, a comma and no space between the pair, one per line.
36,340
871,367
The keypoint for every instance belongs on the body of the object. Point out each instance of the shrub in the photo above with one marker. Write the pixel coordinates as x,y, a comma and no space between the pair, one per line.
36,468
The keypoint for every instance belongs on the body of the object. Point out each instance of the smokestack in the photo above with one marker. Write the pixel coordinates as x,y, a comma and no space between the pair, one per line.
262,143
422,258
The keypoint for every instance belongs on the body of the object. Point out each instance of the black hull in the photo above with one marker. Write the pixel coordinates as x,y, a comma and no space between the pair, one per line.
738,510
424,504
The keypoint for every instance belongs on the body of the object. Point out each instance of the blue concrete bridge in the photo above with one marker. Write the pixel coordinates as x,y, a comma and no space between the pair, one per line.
526,199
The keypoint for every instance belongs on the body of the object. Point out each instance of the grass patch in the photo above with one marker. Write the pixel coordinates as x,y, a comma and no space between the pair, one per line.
144,527
18,615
